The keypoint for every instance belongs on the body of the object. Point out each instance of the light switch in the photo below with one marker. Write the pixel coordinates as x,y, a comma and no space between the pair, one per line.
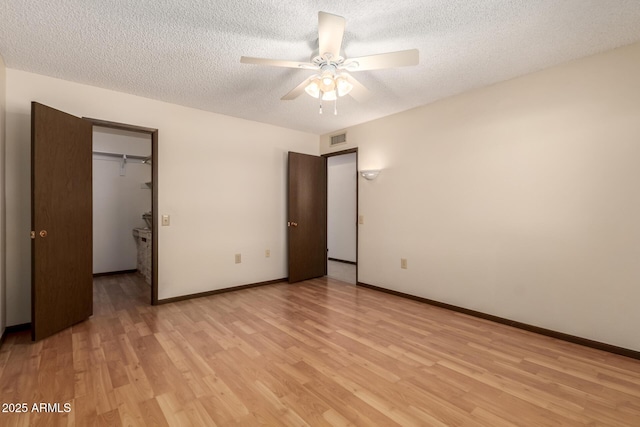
238,258
166,220
403,263
361,219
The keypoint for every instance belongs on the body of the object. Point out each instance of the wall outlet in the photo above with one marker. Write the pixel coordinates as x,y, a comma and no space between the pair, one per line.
267,253
403,263
238,258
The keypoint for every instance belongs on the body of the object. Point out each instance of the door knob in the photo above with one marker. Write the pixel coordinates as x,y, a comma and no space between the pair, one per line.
43,233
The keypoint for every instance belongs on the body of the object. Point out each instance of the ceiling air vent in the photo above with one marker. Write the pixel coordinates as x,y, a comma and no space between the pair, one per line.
338,139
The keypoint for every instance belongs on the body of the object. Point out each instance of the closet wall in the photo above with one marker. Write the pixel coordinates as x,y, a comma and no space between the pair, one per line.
120,197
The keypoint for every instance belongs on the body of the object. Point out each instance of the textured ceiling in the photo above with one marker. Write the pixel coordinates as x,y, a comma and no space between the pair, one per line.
188,51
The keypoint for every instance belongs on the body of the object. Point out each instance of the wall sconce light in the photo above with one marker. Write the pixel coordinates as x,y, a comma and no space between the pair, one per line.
370,174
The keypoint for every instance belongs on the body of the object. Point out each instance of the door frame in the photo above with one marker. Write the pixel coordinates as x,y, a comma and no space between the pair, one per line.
154,192
340,153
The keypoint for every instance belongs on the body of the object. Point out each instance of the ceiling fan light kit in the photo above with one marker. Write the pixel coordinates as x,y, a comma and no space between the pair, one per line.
332,80
328,87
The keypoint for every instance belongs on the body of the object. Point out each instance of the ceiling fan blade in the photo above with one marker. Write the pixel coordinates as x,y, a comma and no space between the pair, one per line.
330,33
296,92
277,63
358,92
401,58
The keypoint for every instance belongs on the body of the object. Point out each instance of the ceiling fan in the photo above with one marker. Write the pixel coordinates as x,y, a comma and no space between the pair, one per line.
332,78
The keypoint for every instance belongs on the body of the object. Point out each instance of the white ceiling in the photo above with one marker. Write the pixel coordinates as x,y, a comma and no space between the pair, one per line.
188,51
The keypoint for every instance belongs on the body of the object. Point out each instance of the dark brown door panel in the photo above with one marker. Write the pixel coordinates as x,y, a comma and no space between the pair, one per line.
307,221
61,218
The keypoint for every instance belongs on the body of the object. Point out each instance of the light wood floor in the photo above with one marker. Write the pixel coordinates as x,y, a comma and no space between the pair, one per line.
341,271
316,353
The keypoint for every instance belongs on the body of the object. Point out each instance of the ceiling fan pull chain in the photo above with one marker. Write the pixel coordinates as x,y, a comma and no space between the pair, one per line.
335,107
320,98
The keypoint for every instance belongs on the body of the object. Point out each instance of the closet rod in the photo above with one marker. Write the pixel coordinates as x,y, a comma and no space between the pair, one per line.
129,156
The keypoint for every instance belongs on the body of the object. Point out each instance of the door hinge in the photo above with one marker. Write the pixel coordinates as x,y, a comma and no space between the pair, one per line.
33,234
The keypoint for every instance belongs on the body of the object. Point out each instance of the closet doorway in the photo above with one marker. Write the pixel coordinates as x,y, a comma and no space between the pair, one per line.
124,202
62,218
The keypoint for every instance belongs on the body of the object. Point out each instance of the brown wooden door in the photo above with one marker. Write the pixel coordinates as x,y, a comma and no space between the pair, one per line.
61,216
307,222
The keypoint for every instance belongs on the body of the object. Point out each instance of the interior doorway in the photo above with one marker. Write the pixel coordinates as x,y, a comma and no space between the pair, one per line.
125,171
308,222
342,213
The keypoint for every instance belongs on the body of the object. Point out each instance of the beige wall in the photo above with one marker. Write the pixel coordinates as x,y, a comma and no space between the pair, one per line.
519,200
221,179
3,281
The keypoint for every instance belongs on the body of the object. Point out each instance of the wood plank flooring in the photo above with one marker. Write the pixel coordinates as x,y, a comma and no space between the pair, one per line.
341,271
318,353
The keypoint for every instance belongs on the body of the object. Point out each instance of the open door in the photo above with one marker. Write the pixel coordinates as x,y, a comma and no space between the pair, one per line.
61,220
307,210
